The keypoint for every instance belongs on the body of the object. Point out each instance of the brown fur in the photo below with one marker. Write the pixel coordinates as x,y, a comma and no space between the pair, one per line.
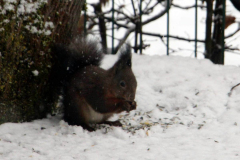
92,94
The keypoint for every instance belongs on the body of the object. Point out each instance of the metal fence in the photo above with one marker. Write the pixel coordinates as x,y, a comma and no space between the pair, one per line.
168,24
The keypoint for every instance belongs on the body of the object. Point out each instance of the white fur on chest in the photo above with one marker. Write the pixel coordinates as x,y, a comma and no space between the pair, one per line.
94,117
91,116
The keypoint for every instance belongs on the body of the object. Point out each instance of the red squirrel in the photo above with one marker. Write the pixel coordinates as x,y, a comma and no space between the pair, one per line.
91,94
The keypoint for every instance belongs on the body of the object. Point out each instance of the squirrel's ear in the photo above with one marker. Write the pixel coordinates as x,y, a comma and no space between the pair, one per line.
125,59
126,55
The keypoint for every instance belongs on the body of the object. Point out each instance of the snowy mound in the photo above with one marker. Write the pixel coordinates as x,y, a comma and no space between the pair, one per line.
186,109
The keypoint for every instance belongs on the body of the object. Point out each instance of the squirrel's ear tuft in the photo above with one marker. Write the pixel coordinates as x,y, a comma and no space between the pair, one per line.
126,55
124,61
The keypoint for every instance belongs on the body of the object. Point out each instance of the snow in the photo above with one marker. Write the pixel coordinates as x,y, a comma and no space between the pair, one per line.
188,100
49,24
47,32
27,11
33,29
35,72
184,109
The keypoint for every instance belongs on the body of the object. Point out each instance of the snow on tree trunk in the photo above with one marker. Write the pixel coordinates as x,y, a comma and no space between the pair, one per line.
27,31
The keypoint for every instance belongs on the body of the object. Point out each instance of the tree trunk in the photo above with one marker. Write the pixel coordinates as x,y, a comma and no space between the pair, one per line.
136,38
208,45
26,37
217,57
102,26
213,46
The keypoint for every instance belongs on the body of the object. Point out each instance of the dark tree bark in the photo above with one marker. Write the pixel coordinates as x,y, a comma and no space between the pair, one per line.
208,39
26,58
136,30
216,56
213,46
102,25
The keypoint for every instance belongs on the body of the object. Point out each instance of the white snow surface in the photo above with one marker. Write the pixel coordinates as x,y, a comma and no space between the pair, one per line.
188,98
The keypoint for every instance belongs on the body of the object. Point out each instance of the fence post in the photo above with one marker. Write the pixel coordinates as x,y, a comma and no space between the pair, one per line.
112,26
85,18
136,30
140,27
223,29
196,23
168,27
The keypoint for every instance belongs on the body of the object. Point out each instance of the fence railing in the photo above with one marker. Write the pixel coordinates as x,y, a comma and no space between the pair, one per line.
168,26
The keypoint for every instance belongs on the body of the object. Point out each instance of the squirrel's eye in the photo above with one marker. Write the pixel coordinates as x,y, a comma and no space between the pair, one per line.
122,84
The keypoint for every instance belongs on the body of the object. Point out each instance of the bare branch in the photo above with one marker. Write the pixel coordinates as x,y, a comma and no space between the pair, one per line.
160,14
176,37
230,93
232,49
125,15
230,35
124,39
188,7
147,5
131,29
134,10
133,19
150,9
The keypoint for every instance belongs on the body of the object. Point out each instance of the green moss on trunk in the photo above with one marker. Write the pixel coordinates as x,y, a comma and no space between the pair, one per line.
26,38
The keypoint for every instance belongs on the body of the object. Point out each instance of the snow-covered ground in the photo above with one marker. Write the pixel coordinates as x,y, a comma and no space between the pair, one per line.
184,112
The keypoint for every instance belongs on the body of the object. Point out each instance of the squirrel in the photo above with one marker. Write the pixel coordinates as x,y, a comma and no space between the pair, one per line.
91,94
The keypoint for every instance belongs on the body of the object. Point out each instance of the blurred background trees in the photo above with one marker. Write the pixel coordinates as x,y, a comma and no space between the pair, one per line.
128,16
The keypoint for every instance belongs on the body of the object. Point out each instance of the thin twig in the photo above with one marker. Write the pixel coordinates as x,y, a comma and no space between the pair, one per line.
188,7
176,37
230,93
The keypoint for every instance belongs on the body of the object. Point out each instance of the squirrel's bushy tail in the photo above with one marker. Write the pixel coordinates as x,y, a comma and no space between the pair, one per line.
78,54
68,59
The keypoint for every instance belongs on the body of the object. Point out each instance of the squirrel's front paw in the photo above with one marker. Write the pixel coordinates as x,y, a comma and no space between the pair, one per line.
133,105
129,105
